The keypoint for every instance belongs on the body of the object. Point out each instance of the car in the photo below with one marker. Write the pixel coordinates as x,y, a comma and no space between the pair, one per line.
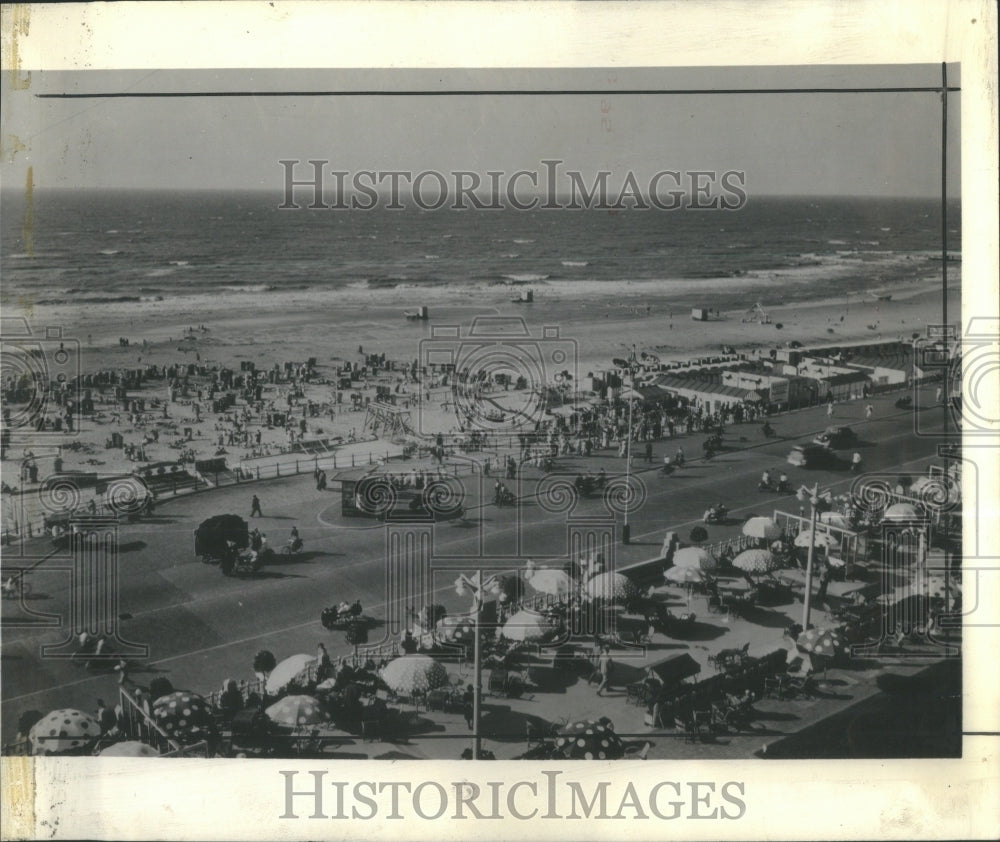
837,436
812,456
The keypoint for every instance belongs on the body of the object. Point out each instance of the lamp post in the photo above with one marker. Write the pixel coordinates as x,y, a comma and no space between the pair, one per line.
812,495
632,364
475,584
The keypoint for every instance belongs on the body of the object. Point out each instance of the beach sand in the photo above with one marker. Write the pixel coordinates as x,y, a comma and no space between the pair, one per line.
274,329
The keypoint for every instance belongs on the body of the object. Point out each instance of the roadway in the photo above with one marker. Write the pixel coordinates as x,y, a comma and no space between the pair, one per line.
203,627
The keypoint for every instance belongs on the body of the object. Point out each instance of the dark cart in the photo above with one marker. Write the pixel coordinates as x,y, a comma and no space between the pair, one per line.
212,537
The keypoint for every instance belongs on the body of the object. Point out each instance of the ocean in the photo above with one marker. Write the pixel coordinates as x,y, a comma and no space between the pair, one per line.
88,247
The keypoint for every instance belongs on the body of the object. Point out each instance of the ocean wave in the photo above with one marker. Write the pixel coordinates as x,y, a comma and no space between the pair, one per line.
250,287
159,273
574,263
522,241
432,257
178,262
110,252
525,278
837,242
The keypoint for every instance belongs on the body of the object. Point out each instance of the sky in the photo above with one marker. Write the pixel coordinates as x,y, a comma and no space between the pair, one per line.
859,144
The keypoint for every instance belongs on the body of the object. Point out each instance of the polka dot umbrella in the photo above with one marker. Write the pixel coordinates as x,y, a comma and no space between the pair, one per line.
695,557
459,630
295,711
414,673
756,561
612,587
185,717
590,740
130,748
825,642
64,731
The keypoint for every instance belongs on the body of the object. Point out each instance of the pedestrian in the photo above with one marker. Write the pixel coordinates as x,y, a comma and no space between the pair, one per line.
255,507
604,665
938,395
649,451
468,705
829,410
869,409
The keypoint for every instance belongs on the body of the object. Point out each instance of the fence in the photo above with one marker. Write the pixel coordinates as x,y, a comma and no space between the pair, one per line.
851,546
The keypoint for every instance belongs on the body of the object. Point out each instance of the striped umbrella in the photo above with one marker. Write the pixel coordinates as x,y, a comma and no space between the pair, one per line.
297,710
612,586
684,575
414,673
756,561
590,740
823,539
130,748
185,717
64,731
901,511
761,527
287,671
695,557
835,519
529,626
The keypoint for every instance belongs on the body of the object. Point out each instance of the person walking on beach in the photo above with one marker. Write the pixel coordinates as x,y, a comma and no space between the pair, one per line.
255,507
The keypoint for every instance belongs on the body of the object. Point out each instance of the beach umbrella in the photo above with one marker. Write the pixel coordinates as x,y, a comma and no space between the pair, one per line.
64,731
901,511
183,716
459,630
695,557
294,711
414,673
684,575
761,527
823,540
547,580
287,671
130,748
612,586
590,740
940,587
756,561
528,626
835,519
825,642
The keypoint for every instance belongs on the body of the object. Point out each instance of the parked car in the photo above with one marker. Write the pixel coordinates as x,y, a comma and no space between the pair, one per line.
837,436
812,456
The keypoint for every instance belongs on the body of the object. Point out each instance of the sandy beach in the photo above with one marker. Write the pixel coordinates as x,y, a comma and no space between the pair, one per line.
331,326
